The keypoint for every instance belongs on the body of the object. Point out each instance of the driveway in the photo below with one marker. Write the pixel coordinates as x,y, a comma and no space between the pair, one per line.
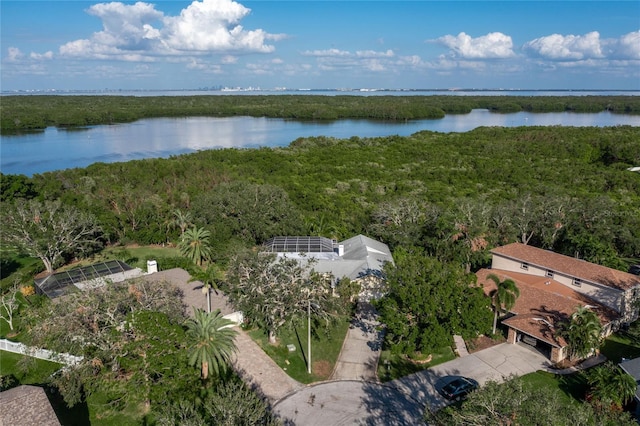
402,401
358,359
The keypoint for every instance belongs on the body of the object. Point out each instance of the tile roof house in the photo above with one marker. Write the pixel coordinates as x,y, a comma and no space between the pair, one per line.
26,406
552,286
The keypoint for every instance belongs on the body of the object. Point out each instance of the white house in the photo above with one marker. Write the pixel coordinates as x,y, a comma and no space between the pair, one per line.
359,258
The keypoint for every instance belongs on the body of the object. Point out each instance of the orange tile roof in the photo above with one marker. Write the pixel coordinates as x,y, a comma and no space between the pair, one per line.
543,302
569,265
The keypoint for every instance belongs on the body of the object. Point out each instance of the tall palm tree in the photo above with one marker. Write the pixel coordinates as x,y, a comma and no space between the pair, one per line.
583,332
212,342
503,297
194,244
210,278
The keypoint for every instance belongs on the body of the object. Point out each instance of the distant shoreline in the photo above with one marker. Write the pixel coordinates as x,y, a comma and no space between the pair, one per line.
357,91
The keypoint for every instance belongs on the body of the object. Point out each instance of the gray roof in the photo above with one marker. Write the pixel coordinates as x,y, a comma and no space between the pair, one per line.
26,406
632,368
362,256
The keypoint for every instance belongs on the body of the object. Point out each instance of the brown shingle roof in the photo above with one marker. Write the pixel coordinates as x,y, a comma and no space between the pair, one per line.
26,406
542,298
568,265
537,326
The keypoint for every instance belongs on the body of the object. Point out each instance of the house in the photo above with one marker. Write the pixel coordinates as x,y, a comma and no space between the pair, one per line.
359,258
552,286
26,406
610,287
542,304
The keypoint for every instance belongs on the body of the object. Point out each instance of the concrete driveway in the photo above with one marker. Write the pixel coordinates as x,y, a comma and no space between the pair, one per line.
402,401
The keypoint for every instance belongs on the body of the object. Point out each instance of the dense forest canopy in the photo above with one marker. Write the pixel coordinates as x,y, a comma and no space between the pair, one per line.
455,195
23,113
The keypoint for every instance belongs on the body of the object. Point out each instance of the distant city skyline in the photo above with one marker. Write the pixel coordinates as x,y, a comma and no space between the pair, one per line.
170,45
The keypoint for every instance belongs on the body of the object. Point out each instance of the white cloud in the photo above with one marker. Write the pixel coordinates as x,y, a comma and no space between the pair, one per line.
327,53
140,32
14,54
566,48
373,54
626,47
491,46
41,56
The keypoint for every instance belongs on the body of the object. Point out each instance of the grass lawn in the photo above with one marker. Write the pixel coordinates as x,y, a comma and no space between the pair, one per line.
572,387
325,348
27,370
132,255
392,366
623,344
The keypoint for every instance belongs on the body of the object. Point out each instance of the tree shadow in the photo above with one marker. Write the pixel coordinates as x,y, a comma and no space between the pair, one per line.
8,267
406,400
78,415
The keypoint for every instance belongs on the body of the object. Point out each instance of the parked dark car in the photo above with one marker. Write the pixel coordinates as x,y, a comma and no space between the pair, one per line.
458,388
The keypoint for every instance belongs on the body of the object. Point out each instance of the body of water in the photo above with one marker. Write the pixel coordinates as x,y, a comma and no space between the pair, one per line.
56,149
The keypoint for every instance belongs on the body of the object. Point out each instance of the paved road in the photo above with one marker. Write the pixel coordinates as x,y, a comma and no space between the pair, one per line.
402,401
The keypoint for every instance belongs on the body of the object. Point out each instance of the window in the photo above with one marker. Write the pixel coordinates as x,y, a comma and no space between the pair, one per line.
577,282
524,266
549,274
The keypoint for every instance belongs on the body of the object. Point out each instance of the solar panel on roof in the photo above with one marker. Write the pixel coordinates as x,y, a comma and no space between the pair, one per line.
299,245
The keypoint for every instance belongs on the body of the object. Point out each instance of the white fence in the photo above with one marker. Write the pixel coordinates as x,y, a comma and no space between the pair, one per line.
21,348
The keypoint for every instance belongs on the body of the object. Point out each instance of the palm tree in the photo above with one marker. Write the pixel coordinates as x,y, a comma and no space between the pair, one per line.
182,220
210,279
610,386
503,297
583,332
194,244
212,341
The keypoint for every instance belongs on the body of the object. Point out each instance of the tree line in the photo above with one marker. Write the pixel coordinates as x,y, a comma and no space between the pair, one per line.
28,113
454,195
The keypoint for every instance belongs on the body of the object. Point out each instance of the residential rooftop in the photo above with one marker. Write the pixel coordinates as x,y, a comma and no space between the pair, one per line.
571,266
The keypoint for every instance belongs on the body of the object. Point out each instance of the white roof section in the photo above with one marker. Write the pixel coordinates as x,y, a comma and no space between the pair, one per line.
354,258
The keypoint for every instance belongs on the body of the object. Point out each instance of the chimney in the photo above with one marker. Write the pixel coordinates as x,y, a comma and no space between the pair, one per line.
341,250
152,266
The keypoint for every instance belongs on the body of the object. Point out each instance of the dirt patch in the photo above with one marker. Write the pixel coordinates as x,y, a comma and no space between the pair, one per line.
322,369
483,342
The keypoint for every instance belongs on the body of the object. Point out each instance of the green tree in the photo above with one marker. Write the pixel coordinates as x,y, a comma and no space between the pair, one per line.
516,402
212,342
50,231
610,387
273,291
194,244
210,279
504,296
228,403
182,220
423,302
583,332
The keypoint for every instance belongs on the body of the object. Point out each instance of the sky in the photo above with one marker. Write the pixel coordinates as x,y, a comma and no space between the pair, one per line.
296,44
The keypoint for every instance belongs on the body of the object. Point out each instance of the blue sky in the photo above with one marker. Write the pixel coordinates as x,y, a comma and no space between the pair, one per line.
78,45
